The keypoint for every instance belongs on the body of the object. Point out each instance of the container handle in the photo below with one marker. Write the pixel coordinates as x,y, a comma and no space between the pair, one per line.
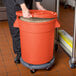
16,23
57,24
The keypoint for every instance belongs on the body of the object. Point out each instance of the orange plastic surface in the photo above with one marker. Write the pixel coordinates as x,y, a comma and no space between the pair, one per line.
40,14
37,39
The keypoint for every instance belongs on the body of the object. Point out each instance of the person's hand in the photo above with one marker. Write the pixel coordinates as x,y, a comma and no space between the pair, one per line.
25,11
39,6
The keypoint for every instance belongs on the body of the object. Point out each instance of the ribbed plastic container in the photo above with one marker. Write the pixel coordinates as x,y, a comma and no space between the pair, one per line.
37,36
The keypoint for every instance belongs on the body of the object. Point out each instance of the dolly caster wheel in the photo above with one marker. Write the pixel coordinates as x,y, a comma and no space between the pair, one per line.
72,66
56,47
48,69
17,61
33,71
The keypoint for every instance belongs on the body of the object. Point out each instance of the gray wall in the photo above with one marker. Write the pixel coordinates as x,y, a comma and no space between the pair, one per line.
48,4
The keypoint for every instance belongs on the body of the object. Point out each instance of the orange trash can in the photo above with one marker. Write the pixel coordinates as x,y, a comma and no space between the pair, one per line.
37,37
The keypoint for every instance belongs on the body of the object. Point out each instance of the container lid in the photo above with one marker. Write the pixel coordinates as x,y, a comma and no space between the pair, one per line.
40,14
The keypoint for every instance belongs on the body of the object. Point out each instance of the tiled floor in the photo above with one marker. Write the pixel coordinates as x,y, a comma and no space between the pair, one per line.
9,68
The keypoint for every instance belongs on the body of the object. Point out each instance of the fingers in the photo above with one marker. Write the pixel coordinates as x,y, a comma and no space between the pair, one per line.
42,9
26,13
